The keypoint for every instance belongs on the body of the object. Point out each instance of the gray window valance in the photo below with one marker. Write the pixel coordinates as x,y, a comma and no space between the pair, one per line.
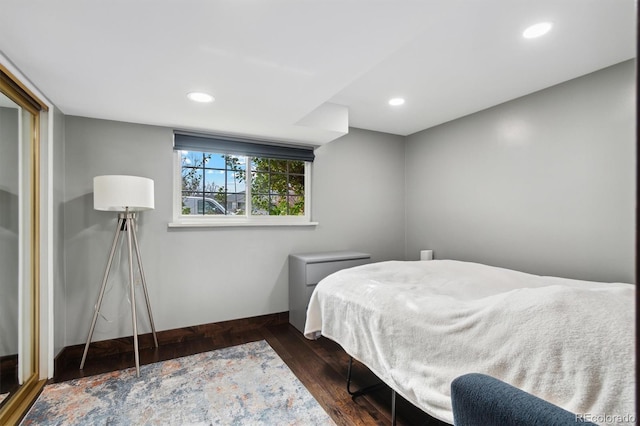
229,145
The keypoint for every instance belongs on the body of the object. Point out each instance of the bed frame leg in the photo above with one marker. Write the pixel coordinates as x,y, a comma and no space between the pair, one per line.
393,407
363,391
368,389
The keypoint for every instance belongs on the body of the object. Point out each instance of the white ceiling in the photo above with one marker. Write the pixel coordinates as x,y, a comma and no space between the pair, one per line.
282,68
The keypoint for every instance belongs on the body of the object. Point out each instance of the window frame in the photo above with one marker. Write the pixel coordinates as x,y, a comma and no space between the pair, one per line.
180,220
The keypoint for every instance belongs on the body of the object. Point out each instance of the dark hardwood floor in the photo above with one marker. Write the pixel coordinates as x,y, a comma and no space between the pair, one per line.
321,365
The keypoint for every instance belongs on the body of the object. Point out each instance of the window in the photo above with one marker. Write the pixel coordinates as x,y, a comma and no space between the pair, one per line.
221,181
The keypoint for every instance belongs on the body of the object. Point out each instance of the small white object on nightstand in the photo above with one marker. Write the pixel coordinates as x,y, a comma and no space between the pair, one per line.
426,255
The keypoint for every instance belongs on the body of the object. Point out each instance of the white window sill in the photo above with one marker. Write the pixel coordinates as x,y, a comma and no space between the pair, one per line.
236,223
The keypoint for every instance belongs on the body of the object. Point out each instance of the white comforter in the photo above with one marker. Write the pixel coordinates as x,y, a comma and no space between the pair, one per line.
418,325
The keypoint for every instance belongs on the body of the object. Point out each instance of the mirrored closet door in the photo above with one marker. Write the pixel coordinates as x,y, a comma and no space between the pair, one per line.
19,247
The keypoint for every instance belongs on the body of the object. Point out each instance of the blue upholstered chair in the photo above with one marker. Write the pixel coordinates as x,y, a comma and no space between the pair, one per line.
481,400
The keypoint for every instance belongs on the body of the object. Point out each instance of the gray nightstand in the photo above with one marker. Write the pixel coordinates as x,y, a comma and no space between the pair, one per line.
307,269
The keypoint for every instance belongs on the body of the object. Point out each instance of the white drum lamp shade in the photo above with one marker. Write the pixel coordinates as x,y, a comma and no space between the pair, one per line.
117,193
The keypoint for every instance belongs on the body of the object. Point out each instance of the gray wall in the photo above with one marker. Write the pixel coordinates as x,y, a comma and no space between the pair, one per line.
9,221
59,294
543,184
204,275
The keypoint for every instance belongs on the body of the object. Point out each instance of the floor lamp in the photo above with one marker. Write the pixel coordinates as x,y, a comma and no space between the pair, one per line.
125,195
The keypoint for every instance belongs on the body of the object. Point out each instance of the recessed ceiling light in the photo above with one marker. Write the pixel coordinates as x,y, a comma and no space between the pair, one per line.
396,101
200,97
537,30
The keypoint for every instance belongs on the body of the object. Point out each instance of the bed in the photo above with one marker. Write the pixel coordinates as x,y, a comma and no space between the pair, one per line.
419,325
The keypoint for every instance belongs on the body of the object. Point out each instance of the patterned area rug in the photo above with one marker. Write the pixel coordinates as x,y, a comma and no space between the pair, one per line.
241,385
